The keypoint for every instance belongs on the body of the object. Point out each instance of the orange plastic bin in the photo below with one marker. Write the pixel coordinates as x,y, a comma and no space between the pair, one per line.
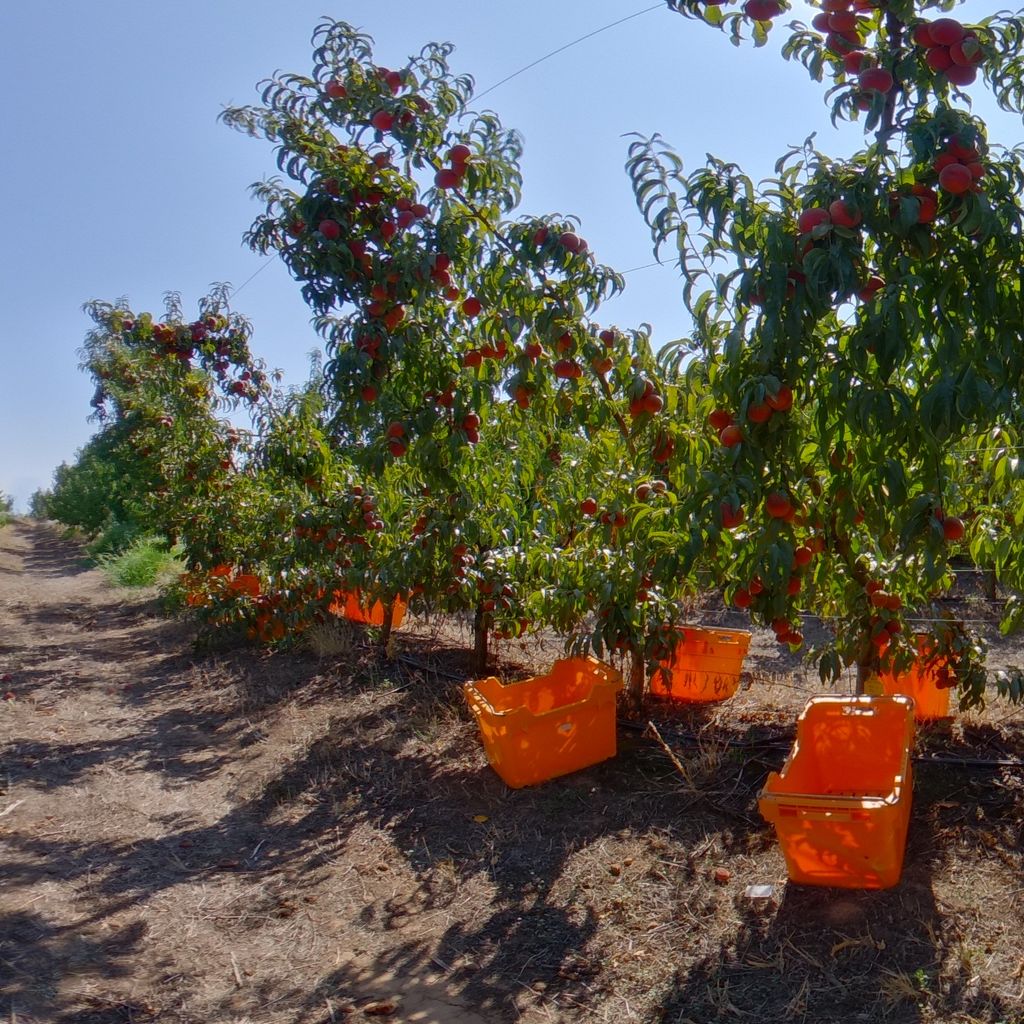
841,803
550,725
352,607
705,665
921,681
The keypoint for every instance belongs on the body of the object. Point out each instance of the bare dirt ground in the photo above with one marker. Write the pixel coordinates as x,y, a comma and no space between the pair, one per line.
268,838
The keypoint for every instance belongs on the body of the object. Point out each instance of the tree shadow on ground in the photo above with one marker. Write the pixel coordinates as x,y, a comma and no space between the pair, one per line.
184,741
70,968
543,854
559,879
49,555
835,955
78,643
405,762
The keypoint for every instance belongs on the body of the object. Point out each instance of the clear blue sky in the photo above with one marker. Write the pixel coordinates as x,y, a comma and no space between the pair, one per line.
118,179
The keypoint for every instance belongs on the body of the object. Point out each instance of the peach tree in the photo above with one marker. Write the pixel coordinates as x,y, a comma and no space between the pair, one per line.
445,311
160,384
859,324
316,515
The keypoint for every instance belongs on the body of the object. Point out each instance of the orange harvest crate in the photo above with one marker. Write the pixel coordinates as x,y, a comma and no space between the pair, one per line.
550,725
705,665
841,803
350,605
920,681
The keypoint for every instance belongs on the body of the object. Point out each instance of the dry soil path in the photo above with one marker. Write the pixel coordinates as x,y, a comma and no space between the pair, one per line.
156,862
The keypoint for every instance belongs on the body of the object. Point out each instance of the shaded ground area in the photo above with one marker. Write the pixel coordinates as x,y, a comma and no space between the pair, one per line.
239,836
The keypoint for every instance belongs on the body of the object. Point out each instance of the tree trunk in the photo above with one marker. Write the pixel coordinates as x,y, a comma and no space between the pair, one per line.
989,577
864,671
385,633
480,627
637,680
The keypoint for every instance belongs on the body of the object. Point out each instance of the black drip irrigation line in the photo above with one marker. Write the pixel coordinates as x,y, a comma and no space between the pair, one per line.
779,743
691,739
423,667
412,662
970,762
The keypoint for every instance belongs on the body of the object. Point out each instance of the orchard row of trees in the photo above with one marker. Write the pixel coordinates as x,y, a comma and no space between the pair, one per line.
843,421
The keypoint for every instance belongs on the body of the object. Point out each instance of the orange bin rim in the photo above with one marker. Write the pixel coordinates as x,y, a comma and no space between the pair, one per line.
493,693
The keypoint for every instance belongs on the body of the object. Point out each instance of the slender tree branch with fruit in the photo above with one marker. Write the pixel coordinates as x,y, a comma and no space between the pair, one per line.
860,324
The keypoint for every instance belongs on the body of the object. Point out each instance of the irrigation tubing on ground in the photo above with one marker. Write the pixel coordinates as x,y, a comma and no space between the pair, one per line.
779,743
